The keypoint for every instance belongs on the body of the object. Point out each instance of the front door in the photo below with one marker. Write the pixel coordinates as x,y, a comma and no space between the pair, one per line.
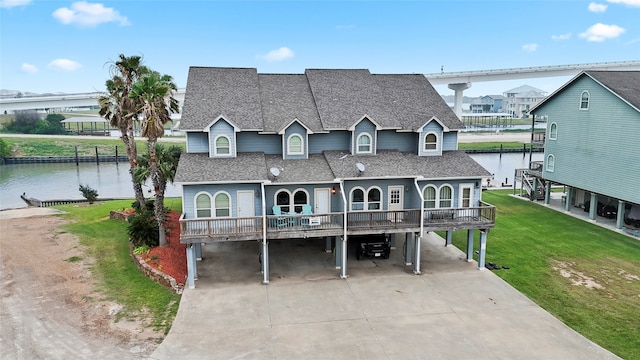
246,204
396,202
322,202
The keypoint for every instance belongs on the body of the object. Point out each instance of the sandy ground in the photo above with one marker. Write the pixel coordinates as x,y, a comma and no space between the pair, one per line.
50,307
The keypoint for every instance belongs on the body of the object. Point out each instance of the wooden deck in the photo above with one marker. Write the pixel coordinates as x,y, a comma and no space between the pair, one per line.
332,224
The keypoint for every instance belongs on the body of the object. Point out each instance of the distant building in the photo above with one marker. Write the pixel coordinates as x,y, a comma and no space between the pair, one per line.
521,99
488,104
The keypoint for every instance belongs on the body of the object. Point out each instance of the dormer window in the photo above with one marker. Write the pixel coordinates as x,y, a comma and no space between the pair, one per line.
222,146
584,100
364,143
431,142
294,145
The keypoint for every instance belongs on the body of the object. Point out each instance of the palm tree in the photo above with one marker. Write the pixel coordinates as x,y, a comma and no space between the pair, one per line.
122,111
155,93
167,160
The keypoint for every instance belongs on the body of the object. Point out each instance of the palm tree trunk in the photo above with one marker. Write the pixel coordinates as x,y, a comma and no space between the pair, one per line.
159,202
132,152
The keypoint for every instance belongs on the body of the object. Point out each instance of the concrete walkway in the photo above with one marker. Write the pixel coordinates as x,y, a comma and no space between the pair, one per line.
382,311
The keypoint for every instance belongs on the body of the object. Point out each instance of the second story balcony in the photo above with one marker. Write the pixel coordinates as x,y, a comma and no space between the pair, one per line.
333,224
538,138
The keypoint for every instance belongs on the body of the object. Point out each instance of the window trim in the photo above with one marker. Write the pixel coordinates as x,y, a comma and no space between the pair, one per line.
365,200
215,146
550,164
424,142
293,196
435,196
195,205
379,202
214,208
450,199
360,136
288,205
553,135
289,152
583,101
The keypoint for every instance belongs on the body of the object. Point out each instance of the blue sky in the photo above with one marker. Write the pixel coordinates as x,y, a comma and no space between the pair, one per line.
66,46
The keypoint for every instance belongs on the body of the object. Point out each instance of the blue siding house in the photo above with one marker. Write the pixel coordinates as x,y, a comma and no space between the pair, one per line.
326,154
592,143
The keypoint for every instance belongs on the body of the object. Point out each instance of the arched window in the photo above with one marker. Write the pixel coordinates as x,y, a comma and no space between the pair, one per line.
430,142
584,100
222,145
364,143
553,131
300,197
429,194
283,199
203,205
222,205
357,199
373,199
294,145
446,196
551,162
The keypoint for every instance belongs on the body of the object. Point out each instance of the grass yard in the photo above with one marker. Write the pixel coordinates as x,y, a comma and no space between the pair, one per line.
491,145
585,275
66,147
118,279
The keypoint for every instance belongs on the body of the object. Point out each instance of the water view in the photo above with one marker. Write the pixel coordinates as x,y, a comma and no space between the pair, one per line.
61,181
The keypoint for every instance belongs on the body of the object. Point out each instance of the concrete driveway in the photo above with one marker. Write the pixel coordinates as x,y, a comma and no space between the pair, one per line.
382,311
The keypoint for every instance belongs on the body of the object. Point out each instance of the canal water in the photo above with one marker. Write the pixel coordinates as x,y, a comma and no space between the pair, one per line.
61,181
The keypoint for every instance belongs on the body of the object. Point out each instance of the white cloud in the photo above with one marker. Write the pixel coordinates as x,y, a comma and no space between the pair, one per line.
278,55
601,32
596,8
635,3
13,3
566,36
530,47
28,68
87,14
64,64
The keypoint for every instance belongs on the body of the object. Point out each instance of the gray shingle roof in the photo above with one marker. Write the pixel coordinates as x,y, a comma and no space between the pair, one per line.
624,83
326,167
320,99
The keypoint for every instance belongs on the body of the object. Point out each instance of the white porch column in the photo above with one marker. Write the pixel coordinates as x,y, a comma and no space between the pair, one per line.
416,264
449,238
470,245
265,262
620,216
593,205
408,248
547,192
191,266
458,90
569,199
343,270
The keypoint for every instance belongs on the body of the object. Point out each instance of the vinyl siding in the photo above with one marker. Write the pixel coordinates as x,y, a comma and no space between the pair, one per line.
596,149
392,140
364,126
295,129
190,191
431,127
450,141
253,142
197,142
336,140
222,127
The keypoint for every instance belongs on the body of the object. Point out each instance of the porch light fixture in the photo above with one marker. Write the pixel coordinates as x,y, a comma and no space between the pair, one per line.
333,190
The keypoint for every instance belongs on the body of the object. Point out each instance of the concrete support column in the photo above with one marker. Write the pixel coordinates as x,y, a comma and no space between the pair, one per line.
338,253
343,270
547,193
265,262
449,239
534,191
416,263
458,89
328,247
408,249
593,205
620,216
198,248
483,249
470,234
191,266
392,241
569,199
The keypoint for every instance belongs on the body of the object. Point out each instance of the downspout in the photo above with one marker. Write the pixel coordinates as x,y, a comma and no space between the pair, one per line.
416,268
343,269
265,245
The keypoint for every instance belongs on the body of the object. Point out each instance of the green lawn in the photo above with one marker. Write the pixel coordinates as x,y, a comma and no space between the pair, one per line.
538,244
491,145
66,147
119,280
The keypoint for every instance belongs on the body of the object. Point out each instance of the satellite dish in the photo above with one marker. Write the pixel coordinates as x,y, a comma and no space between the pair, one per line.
360,167
274,171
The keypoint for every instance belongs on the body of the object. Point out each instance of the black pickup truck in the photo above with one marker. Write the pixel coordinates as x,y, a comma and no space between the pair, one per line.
372,246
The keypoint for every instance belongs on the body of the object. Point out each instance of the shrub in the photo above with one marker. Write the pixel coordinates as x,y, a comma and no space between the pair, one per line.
5,149
89,193
143,229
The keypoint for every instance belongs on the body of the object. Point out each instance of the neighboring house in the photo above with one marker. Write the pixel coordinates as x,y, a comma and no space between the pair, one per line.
520,100
488,104
592,143
329,154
